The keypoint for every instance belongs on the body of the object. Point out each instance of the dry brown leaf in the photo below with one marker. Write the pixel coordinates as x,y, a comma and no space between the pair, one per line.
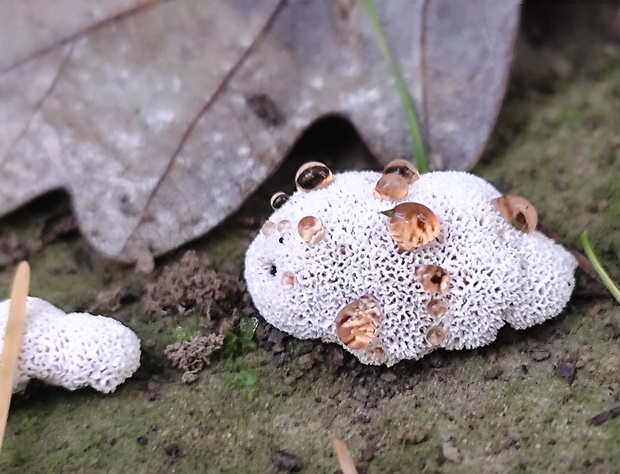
161,117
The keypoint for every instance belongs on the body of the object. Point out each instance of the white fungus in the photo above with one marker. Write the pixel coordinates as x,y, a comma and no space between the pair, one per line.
72,350
495,273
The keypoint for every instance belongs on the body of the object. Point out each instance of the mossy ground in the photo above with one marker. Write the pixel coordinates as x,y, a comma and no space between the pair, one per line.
563,153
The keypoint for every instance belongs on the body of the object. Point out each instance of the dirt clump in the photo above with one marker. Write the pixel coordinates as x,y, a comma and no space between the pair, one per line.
193,355
287,461
192,284
113,299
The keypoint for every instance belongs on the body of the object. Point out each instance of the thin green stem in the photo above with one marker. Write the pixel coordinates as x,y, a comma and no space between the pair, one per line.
603,275
414,130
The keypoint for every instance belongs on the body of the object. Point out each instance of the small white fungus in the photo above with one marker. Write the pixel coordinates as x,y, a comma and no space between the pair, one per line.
72,350
497,274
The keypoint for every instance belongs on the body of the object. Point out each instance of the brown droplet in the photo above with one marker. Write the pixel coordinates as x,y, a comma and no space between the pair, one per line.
268,228
313,175
283,226
311,229
391,187
412,225
433,278
357,322
518,211
288,280
435,336
437,308
278,200
403,168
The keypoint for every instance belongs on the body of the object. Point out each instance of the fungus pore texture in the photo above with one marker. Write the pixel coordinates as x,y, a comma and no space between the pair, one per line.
495,273
72,350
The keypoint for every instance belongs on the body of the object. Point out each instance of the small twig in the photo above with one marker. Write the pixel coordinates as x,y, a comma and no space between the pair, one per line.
604,416
12,341
347,466
598,267
414,130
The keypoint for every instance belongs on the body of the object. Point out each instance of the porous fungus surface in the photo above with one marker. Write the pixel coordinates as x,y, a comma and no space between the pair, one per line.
495,273
72,350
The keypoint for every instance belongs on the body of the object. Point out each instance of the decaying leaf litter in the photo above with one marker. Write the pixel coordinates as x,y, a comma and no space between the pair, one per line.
368,405
120,105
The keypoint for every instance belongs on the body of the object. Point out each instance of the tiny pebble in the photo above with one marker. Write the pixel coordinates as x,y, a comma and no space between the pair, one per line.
306,361
593,206
389,377
172,449
287,461
566,370
149,344
367,455
540,354
493,372
416,436
142,440
451,452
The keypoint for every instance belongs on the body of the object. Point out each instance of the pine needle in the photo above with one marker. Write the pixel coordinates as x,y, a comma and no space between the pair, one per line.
347,466
414,129
12,341
598,267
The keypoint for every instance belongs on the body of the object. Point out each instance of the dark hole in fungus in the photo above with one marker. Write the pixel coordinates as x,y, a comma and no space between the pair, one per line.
520,222
436,278
281,240
273,270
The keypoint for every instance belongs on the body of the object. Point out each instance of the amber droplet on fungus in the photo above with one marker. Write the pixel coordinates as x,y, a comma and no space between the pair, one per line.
412,225
283,226
518,211
357,322
437,308
313,175
278,200
402,168
391,187
288,280
268,228
433,278
311,230
435,336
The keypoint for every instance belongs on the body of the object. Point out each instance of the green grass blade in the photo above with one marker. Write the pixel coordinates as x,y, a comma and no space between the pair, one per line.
603,275
414,130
